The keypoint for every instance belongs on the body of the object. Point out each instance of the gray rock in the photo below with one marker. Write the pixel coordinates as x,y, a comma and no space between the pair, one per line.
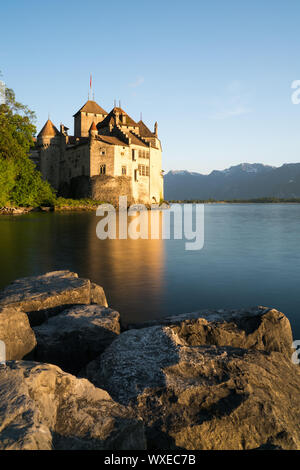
46,295
202,397
16,333
76,336
15,210
43,408
254,328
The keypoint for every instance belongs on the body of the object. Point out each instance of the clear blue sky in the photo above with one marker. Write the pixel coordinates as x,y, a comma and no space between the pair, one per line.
215,74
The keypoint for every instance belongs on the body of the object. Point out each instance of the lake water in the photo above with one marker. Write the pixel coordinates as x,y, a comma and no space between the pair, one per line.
251,256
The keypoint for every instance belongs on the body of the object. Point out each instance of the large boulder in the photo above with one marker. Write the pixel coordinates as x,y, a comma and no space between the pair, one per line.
46,295
202,397
76,336
16,333
97,295
254,328
43,408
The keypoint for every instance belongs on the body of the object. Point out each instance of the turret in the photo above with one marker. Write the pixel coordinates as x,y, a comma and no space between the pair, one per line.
47,134
93,130
49,147
155,129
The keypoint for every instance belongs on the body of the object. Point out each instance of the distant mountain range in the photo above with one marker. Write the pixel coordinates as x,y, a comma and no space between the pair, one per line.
244,181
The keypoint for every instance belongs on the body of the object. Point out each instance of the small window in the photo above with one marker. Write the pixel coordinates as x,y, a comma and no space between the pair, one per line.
135,175
142,170
122,153
147,171
133,154
124,171
102,169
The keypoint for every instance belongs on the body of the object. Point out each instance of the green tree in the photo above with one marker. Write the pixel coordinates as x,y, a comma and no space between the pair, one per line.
20,182
7,180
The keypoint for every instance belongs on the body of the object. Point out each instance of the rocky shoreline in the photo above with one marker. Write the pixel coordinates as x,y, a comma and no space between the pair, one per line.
28,210
14,211
76,378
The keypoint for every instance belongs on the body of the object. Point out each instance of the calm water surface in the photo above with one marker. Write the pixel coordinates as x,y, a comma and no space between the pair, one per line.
251,256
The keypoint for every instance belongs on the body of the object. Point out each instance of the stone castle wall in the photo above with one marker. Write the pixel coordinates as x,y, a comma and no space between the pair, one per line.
102,188
101,154
49,160
74,162
108,188
156,191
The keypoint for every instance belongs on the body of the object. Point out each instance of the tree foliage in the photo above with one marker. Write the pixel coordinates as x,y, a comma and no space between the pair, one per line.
20,183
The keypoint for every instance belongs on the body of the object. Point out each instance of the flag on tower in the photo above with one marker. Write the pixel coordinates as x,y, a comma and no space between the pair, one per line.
91,81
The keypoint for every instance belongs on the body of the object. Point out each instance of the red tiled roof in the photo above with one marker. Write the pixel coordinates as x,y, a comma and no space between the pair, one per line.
109,139
48,130
136,141
91,107
144,130
111,119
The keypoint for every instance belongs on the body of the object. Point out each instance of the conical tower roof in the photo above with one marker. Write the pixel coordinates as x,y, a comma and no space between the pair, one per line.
49,130
93,127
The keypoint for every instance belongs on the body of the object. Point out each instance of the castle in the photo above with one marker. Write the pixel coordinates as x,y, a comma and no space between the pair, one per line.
109,155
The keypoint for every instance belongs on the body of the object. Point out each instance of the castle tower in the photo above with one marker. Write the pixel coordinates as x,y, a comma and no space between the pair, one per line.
83,119
48,144
47,133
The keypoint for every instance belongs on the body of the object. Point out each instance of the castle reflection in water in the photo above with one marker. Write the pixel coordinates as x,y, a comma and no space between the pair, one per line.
131,271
